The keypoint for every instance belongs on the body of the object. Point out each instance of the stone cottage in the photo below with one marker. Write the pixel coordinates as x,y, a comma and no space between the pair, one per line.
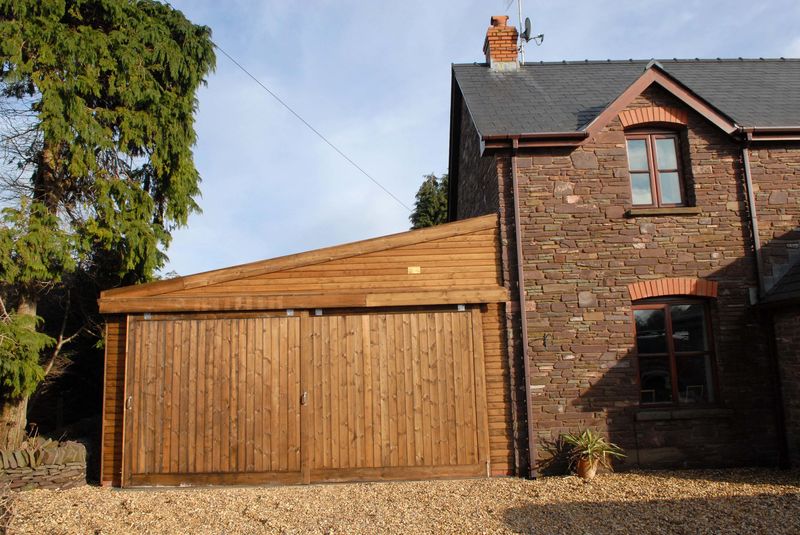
650,230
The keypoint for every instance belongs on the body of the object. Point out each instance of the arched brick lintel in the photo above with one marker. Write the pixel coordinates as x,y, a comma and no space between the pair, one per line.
653,114
673,286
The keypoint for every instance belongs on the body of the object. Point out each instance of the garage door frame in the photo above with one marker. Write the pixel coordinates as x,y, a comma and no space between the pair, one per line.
308,472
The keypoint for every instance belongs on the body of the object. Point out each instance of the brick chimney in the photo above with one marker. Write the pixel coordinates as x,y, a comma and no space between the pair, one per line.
501,46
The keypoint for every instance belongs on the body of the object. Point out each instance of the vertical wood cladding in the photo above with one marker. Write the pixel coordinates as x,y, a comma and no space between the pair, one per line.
384,396
213,396
113,394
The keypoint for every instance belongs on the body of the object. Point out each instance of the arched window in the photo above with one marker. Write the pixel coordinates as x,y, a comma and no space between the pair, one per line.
654,143
675,351
655,167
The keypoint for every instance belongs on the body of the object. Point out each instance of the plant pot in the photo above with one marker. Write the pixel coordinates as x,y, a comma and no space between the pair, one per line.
587,468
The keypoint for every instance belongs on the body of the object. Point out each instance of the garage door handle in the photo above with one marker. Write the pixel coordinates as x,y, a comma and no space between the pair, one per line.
304,398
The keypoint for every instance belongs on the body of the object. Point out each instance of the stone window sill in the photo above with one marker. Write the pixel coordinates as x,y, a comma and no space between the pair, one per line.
675,210
660,414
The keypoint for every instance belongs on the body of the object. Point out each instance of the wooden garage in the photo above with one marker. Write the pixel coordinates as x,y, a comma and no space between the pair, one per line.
380,359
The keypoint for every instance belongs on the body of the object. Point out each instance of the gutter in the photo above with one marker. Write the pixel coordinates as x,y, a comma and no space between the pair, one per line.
523,322
534,139
770,133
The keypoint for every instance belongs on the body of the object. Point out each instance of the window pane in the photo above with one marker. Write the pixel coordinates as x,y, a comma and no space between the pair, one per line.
666,157
689,327
670,188
640,187
651,336
637,155
655,380
694,379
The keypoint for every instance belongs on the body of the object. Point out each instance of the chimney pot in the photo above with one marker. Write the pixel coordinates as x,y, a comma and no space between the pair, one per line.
499,20
501,46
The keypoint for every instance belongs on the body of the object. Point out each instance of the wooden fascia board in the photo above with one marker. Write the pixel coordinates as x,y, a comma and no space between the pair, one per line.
656,75
129,305
338,252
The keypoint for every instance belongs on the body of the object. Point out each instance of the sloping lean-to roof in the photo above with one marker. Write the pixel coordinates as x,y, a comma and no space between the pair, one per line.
448,264
786,291
563,97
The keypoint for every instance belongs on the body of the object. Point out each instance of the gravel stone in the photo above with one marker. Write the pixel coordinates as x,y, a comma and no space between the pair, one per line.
742,501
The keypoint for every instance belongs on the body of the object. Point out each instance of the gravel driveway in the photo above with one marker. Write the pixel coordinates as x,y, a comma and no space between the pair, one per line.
732,501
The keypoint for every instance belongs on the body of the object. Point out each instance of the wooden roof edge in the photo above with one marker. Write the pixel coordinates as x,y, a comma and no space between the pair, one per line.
383,298
305,258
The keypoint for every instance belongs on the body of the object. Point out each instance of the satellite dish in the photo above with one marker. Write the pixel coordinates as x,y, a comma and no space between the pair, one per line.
526,33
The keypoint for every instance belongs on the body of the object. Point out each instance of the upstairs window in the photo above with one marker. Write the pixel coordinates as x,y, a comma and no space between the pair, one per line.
674,350
655,169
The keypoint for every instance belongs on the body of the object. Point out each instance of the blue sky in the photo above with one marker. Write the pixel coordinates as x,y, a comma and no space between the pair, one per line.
374,77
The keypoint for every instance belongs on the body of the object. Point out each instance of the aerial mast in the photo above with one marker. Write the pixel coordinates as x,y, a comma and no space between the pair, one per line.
525,32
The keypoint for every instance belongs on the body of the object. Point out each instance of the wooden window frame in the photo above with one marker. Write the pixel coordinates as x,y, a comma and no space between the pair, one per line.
650,137
672,355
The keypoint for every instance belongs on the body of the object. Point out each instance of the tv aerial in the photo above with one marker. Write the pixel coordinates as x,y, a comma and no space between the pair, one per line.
526,32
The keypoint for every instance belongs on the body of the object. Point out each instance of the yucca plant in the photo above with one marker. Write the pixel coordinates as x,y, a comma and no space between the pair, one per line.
588,449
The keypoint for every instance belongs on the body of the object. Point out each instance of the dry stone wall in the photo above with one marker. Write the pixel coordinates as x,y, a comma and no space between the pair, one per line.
49,476
41,463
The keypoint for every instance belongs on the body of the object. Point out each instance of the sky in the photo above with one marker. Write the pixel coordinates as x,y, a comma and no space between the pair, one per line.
374,78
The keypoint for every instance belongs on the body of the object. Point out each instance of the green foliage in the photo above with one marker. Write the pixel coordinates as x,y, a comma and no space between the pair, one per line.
112,85
591,446
97,101
34,249
20,344
430,207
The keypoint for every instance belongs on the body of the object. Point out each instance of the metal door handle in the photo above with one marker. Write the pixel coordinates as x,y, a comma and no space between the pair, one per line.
304,398
130,402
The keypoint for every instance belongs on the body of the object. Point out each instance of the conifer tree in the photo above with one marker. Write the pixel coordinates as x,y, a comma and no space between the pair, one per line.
430,206
97,102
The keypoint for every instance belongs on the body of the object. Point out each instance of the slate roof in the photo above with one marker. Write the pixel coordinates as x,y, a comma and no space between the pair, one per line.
566,96
787,289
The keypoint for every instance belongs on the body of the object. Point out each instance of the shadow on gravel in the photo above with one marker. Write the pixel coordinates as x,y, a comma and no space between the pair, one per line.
760,513
753,476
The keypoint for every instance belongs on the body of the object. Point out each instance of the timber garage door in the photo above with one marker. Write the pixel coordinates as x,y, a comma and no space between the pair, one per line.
262,399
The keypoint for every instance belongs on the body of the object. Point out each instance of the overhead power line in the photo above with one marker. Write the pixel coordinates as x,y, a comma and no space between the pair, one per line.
310,127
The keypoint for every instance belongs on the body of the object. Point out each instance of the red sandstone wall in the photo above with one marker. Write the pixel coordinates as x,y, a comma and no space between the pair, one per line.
775,169
581,252
787,341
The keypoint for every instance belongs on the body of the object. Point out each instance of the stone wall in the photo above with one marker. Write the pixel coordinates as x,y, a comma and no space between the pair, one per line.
775,168
49,476
477,176
787,342
581,251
